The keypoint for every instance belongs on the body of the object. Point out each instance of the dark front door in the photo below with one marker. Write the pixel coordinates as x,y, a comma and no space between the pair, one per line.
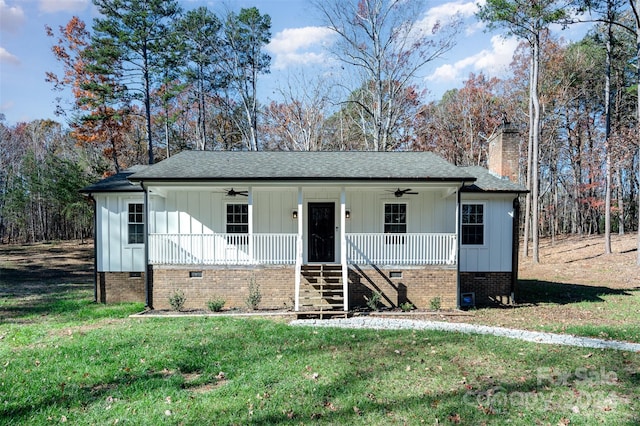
321,232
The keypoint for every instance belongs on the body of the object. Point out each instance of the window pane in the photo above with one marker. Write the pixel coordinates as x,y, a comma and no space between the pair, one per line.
237,218
472,224
135,221
395,218
473,234
136,233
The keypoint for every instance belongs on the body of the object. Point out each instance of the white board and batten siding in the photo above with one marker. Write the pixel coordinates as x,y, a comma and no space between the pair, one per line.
113,252
427,212
495,254
204,212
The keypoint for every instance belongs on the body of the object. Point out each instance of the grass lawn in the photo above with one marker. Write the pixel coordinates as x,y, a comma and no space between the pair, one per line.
64,359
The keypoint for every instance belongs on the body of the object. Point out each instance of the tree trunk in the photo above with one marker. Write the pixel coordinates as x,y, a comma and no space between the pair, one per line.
147,101
535,149
527,213
635,6
620,197
607,136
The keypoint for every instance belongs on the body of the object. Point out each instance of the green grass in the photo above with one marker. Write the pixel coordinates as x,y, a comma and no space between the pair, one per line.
63,358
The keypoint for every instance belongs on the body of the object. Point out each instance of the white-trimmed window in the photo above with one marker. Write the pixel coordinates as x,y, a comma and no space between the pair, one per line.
237,223
237,219
395,222
472,224
395,218
135,222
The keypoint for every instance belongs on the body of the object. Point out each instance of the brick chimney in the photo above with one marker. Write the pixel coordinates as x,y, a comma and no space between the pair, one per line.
504,152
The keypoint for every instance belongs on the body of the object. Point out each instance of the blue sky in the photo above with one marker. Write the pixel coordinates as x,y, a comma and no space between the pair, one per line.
299,46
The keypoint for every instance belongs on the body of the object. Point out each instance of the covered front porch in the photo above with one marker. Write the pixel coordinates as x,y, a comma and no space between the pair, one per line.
345,227
282,249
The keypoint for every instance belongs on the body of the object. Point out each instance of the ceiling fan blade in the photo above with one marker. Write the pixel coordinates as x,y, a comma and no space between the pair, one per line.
400,192
232,193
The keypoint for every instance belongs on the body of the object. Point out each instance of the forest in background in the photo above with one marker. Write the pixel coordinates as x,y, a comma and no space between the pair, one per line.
149,80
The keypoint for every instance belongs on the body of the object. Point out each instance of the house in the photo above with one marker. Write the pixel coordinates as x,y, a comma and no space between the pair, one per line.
314,230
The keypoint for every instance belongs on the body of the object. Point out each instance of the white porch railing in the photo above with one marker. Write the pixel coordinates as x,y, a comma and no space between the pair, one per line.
362,248
401,249
222,249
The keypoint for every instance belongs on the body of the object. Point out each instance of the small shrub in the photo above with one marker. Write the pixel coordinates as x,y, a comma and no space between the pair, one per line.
374,300
177,299
434,304
215,305
255,297
407,306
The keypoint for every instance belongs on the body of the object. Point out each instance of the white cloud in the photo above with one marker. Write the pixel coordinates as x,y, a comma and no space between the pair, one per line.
474,28
449,12
11,17
299,46
6,106
493,62
7,57
53,6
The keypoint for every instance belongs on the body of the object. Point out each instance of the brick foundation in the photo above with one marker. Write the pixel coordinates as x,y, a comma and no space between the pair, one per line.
117,287
418,286
490,288
230,284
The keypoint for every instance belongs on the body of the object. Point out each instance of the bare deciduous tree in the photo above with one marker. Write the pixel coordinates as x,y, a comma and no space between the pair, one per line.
387,42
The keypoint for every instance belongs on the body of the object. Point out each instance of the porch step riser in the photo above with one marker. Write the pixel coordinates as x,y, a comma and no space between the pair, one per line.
323,290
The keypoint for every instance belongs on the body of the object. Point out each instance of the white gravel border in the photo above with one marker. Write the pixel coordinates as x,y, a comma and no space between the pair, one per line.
530,336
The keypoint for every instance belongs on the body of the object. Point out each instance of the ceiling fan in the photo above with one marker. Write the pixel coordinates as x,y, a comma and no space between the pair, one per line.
400,192
232,193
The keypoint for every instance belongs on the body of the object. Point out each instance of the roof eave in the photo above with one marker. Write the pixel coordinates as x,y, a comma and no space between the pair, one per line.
495,191
294,179
89,191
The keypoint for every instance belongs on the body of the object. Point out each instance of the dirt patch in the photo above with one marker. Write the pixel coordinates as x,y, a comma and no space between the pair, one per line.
86,328
191,382
581,260
45,268
33,275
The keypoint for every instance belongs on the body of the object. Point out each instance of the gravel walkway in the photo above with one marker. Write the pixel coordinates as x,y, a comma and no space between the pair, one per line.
530,336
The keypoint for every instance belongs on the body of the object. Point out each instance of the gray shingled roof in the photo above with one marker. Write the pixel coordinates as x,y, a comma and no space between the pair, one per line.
488,182
287,165
279,165
116,183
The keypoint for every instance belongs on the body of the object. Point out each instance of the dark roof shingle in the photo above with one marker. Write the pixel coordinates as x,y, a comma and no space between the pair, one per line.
488,182
223,166
320,165
116,183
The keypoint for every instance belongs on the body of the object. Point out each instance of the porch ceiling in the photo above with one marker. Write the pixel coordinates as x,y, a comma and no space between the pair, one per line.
161,188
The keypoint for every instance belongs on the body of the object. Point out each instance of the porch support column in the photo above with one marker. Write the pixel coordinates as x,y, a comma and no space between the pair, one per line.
298,271
458,236
148,296
343,248
250,224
